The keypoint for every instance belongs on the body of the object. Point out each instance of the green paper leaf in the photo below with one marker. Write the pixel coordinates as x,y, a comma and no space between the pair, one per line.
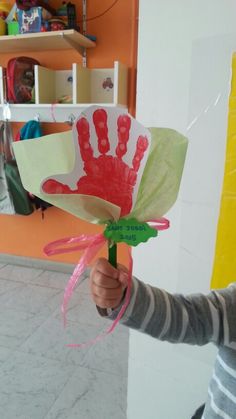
129,231
161,178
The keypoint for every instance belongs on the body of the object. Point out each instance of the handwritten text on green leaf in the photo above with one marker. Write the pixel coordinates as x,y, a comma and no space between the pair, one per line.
129,231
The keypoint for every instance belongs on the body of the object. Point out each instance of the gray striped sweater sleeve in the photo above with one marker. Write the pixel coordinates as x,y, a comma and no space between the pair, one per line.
195,319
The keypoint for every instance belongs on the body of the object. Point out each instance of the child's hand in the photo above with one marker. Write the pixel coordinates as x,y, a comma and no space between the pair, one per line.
107,284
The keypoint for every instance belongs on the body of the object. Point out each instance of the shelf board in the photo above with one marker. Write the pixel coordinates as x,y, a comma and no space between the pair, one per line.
44,41
49,112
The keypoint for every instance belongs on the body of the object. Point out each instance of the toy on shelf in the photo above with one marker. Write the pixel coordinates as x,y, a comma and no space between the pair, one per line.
26,5
32,16
20,80
5,9
13,27
33,20
56,24
68,11
71,15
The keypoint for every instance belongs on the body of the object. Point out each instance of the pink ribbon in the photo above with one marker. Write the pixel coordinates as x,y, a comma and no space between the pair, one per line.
91,246
111,328
159,224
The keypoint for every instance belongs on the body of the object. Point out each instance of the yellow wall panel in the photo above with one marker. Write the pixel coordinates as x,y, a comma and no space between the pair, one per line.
224,269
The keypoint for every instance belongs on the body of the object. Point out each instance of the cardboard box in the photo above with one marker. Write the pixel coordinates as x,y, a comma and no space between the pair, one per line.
30,20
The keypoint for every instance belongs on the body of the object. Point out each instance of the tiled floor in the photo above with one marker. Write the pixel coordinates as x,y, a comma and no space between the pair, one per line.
42,378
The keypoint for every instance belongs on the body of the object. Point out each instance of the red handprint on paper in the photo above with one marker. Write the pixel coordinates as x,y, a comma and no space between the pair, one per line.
106,176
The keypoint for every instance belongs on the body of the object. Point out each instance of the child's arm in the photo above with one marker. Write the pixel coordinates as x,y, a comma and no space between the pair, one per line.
194,319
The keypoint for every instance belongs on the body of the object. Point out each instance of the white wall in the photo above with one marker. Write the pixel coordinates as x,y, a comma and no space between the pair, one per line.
184,73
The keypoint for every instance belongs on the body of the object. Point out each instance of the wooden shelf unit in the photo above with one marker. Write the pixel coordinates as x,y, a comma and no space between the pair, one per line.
84,86
45,41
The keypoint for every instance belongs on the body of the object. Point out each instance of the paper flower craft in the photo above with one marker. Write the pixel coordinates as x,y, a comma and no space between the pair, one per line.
109,170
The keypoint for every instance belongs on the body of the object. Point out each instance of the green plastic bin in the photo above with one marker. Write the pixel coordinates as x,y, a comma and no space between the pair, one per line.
13,28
